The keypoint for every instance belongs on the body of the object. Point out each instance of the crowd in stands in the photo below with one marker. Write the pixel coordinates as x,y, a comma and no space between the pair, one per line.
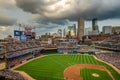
111,43
111,57
86,48
17,46
10,75
17,53
16,61
113,39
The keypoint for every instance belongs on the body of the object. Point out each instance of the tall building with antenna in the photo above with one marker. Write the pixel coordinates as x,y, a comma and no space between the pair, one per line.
75,29
94,24
64,32
95,29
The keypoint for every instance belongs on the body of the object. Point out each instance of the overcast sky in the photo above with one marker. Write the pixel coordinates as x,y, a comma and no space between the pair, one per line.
50,15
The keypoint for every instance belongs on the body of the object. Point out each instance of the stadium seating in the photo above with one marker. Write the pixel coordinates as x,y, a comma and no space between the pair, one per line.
10,75
17,52
111,57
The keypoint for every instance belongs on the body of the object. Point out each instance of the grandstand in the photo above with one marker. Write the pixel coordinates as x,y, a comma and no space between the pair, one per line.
21,52
85,49
110,57
67,45
111,43
16,53
10,75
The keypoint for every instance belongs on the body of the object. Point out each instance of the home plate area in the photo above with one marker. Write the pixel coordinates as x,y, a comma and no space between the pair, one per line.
86,72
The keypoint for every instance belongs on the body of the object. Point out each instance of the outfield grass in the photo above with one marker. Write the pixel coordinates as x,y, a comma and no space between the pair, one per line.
87,74
51,67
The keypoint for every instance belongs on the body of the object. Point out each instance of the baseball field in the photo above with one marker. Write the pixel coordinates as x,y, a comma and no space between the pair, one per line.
69,67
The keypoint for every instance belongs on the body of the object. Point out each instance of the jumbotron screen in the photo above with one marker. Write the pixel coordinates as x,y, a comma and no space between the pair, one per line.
29,35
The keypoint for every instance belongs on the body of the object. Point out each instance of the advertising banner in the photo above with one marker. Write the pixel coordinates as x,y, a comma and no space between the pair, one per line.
17,33
23,38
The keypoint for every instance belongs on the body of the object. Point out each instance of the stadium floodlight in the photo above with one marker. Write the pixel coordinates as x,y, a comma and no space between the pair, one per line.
4,63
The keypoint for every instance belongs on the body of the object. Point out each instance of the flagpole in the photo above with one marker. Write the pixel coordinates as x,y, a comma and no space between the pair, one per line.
19,30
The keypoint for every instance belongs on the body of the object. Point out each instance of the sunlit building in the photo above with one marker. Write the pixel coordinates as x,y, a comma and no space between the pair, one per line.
72,30
75,30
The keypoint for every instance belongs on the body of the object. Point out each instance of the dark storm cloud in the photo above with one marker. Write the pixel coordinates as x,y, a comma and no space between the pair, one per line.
48,21
34,6
6,20
7,4
57,11
47,26
5,17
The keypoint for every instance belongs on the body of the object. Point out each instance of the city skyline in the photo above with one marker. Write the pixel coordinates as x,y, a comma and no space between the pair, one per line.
50,15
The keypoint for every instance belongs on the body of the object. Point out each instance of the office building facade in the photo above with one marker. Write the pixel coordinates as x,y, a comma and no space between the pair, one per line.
95,29
87,31
75,30
80,32
64,32
107,29
116,29
72,31
59,32
94,24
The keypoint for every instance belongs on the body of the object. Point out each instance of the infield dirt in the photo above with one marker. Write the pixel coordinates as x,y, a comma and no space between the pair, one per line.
73,72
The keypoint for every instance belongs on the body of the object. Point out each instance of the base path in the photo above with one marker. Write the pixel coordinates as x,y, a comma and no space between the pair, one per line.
73,72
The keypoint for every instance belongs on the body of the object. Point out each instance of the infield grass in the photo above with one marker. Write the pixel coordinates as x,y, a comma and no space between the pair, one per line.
51,67
87,74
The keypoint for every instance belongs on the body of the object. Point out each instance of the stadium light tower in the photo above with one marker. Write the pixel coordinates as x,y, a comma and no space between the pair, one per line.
3,65
5,55
20,25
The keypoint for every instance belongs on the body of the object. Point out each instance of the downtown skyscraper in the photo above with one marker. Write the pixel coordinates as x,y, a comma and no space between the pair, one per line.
95,29
94,24
80,32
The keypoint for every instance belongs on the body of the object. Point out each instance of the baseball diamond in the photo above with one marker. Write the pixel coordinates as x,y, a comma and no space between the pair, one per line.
53,67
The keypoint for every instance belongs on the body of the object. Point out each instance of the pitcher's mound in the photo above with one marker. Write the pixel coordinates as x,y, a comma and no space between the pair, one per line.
95,75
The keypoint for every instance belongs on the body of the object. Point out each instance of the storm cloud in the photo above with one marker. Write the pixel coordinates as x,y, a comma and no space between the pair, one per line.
7,4
6,19
58,11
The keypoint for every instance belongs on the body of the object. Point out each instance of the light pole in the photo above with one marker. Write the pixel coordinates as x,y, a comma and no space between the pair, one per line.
5,55
3,64
19,30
